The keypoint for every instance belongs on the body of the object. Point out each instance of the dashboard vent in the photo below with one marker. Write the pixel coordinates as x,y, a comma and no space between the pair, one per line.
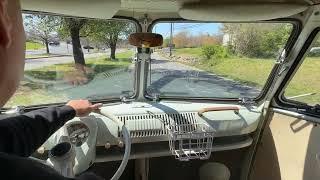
154,125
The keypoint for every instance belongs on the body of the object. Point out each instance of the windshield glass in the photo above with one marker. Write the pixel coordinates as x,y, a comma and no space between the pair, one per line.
71,58
218,60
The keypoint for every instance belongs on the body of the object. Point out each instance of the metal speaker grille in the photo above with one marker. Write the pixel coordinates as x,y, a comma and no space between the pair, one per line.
154,125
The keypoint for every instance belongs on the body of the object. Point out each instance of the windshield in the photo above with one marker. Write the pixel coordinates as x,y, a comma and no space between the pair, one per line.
215,60
70,58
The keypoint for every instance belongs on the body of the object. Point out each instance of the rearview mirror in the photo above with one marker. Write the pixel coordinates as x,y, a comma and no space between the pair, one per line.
145,40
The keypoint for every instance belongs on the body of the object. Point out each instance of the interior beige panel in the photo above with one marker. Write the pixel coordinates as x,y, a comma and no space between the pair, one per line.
240,12
106,9
102,9
289,150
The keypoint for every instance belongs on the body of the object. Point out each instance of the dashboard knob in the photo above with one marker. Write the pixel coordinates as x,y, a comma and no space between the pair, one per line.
120,144
107,145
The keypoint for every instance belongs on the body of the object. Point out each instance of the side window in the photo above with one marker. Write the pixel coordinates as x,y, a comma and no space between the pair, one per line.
304,87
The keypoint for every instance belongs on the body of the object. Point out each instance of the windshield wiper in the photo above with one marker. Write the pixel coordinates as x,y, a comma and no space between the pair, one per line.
304,107
301,95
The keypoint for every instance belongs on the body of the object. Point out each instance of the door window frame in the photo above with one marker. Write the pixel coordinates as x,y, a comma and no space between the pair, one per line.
280,99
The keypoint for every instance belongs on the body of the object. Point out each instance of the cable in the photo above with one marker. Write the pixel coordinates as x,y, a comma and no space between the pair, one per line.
184,27
190,26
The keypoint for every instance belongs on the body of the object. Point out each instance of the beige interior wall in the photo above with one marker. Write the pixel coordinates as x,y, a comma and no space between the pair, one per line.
288,151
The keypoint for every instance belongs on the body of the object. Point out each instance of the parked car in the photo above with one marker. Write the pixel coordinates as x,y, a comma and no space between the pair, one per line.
54,43
88,47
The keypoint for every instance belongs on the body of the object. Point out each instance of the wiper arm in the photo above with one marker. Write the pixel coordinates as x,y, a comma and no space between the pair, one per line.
304,107
302,95
247,101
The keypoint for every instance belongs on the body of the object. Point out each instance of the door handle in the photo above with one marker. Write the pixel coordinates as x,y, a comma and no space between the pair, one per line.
227,108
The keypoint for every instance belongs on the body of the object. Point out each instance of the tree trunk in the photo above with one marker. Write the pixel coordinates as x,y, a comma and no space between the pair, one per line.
76,46
47,46
113,51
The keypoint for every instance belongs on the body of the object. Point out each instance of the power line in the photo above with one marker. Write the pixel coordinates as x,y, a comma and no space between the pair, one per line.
190,26
181,27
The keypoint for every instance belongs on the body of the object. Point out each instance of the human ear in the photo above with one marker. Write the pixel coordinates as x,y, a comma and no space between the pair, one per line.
5,25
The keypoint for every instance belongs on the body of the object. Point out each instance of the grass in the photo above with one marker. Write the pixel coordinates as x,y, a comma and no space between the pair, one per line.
125,55
254,72
29,96
31,56
193,52
306,81
34,46
30,93
98,65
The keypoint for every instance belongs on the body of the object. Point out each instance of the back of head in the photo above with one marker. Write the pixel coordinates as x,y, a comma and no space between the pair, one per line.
12,48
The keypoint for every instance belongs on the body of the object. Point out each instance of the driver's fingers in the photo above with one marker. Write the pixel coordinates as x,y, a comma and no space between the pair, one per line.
96,106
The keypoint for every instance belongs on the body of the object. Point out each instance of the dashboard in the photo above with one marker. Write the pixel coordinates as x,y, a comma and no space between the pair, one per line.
98,139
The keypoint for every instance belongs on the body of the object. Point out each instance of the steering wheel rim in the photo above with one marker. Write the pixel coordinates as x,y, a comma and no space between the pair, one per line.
127,142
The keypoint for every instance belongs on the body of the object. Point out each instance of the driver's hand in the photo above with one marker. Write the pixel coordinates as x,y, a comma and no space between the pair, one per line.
83,107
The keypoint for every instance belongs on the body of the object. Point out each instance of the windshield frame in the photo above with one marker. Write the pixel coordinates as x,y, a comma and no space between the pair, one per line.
136,79
296,30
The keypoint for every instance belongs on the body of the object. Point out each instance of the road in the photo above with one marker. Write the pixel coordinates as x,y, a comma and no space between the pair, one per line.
167,78
176,79
42,62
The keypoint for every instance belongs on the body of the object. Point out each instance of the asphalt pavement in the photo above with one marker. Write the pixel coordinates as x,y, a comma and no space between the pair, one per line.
61,59
167,78
173,78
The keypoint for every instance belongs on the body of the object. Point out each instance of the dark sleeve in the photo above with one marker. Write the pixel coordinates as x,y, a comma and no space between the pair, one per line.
14,167
23,134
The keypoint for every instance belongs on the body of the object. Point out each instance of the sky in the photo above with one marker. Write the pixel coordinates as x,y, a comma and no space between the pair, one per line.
193,28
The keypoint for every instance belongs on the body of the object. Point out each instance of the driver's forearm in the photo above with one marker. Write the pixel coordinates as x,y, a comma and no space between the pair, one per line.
23,134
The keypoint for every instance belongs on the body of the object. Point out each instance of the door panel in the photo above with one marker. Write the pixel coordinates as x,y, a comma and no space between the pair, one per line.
289,150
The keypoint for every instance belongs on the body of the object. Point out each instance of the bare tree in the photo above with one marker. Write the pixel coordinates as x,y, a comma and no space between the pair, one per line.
181,39
42,28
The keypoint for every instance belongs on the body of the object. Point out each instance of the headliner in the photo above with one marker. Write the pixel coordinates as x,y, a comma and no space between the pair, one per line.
106,9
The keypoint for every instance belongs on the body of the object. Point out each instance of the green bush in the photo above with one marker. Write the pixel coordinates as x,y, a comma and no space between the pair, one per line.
214,51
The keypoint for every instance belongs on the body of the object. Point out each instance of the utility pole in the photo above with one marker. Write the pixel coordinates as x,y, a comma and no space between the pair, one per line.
171,40
67,47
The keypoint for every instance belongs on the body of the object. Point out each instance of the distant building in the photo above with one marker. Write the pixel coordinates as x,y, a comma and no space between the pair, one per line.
226,39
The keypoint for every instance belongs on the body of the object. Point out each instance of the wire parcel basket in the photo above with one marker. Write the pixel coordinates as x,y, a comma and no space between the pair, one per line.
190,141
